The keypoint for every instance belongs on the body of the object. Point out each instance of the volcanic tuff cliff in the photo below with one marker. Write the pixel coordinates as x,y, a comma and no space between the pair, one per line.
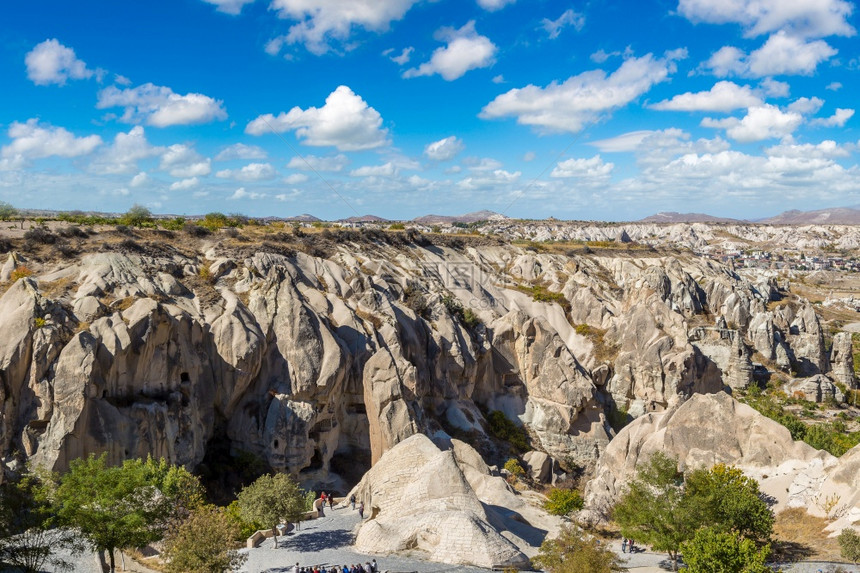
320,352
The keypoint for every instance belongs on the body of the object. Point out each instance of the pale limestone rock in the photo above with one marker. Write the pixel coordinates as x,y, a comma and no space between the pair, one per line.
417,497
818,388
539,466
705,430
842,360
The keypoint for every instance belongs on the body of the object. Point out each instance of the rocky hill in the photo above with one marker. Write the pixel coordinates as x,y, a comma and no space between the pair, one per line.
319,352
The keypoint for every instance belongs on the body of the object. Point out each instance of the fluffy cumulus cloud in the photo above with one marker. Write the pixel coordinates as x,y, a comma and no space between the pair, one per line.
241,151
384,170
241,193
493,5
593,168
444,149
124,153
489,180
807,18
330,164
183,161
568,18
838,119
760,122
827,149
724,96
160,106
250,172
782,54
345,122
33,140
465,50
584,98
139,180
322,21
183,184
53,63
229,6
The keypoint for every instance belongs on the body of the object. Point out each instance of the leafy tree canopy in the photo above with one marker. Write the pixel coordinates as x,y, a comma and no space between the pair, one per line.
271,500
715,551
573,552
202,543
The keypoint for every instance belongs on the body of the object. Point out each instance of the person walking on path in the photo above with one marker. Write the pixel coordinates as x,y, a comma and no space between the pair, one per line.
352,501
331,502
361,510
624,545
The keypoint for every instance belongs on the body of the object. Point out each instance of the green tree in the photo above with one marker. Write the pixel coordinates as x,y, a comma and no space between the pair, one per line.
563,501
715,551
724,498
572,552
654,510
119,507
204,542
25,541
849,545
7,211
271,500
137,216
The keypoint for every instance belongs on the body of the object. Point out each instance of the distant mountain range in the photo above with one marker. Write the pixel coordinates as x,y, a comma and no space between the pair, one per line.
467,218
674,217
364,219
832,216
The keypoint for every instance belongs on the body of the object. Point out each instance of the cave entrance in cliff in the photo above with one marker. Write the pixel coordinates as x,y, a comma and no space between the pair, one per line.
184,377
316,462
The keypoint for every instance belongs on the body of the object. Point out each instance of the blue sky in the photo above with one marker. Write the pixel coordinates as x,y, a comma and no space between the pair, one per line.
399,108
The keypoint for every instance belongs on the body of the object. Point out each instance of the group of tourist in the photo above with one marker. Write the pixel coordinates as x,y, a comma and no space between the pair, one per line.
627,544
368,567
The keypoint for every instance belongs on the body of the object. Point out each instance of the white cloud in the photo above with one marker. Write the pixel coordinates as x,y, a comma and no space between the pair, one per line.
724,96
295,178
241,151
181,160
773,88
160,106
229,6
529,156
345,122
465,50
834,86
584,98
568,18
331,164
761,122
489,179
184,184
482,164
250,172
385,170
240,193
838,119
815,18
403,58
782,54
656,147
806,105
444,149
788,55
593,168
32,140
624,142
124,153
826,149
139,180
321,21
499,79
493,5
53,63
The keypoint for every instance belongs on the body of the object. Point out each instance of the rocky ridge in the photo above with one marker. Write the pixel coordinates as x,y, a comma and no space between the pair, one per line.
319,353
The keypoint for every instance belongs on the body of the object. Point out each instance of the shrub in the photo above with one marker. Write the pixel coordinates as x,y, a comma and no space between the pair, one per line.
20,273
514,467
563,501
40,235
504,429
203,543
574,552
396,227
466,316
414,299
713,551
39,322
195,230
138,216
849,545
175,224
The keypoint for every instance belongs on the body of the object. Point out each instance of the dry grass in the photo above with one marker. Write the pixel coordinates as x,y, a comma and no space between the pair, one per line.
802,536
371,318
56,289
